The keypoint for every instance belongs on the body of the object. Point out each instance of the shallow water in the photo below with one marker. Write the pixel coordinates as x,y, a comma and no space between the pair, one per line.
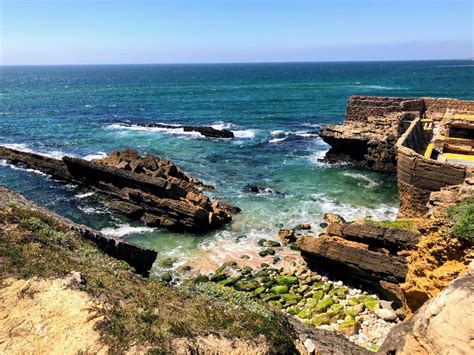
275,111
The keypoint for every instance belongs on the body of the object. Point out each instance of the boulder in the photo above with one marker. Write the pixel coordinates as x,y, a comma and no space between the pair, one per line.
442,325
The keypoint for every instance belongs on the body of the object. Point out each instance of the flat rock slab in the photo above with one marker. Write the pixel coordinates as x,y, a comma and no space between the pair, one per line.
353,259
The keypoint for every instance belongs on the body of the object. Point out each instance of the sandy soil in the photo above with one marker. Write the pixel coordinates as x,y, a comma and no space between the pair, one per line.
46,317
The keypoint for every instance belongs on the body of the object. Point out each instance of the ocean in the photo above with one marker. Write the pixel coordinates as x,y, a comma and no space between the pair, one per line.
275,111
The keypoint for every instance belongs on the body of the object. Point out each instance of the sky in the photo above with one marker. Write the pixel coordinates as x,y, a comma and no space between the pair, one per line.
220,31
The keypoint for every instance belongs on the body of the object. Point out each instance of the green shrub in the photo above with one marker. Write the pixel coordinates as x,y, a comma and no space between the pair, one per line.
463,216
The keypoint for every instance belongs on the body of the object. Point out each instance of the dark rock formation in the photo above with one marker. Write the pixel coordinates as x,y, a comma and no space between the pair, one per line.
146,188
443,324
141,259
205,131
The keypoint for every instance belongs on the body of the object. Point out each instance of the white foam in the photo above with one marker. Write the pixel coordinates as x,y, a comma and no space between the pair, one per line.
84,195
91,210
98,155
125,229
276,140
370,183
14,167
351,212
56,154
177,130
317,156
246,133
220,125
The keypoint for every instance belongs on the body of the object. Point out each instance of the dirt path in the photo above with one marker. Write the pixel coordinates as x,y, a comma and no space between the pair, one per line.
46,317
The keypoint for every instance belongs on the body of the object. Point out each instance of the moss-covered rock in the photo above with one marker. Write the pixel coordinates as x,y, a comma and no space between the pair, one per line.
349,326
291,299
272,244
339,292
354,301
279,289
259,290
166,277
305,314
324,304
276,259
246,285
201,279
320,319
294,310
263,253
227,282
261,242
270,251
286,280
370,303
218,276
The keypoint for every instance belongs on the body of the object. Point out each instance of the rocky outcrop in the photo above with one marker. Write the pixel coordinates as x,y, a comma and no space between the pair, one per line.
371,128
354,258
441,326
149,188
141,259
205,131
439,256
364,253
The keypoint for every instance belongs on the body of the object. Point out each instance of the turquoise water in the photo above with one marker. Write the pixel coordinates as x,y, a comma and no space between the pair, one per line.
275,110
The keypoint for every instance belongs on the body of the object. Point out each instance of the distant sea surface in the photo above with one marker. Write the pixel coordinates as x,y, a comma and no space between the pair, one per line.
275,111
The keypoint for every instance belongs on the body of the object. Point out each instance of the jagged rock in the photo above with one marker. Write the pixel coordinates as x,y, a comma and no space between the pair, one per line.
287,235
443,324
148,188
205,131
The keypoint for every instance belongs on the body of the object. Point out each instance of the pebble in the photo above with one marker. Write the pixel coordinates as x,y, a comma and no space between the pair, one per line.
386,314
309,345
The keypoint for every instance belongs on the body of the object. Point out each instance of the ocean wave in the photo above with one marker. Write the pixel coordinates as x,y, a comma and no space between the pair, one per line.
98,155
15,167
281,136
353,212
276,140
55,154
317,158
125,229
84,195
361,177
220,125
378,87
245,133
455,66
178,130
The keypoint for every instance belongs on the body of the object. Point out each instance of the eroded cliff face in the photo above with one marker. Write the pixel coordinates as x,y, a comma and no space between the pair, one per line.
370,130
439,257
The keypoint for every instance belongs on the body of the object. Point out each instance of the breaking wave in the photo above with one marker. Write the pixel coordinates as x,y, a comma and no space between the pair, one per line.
125,229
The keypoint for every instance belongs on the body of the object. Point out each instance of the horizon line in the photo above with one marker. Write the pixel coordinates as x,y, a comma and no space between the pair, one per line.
244,62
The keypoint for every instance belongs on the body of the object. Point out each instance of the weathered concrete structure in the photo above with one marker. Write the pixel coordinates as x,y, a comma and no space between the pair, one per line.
428,142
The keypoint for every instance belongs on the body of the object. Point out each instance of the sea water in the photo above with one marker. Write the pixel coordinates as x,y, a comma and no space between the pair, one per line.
274,110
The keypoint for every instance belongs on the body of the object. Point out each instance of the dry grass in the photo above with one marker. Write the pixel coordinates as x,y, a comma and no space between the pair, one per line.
134,310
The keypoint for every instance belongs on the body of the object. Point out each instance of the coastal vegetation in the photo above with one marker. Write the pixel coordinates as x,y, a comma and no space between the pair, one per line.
463,215
132,310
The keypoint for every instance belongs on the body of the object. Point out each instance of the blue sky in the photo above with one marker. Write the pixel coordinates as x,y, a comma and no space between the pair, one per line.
184,31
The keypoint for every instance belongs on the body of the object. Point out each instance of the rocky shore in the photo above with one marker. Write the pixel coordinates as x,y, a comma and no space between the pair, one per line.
149,189
205,131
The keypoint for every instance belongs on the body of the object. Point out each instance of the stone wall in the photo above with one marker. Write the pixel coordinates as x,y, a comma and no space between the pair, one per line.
418,176
436,107
359,108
